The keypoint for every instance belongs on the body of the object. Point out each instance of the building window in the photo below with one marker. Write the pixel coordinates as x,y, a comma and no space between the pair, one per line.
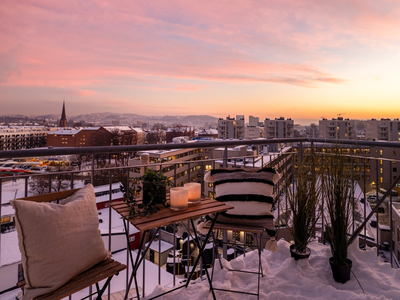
381,170
394,169
5,219
236,236
381,162
381,179
380,152
249,239
394,152
398,234
211,195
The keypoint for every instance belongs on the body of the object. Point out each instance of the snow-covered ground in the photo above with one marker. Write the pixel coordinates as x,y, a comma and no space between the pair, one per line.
287,279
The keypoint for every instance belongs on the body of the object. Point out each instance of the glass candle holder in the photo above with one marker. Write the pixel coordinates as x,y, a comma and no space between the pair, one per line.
179,198
194,196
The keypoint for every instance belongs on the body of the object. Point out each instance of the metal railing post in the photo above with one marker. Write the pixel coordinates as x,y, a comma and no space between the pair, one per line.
365,204
377,212
92,171
225,159
390,216
1,193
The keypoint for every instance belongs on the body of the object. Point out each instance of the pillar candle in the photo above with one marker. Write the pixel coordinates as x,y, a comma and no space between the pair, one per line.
179,198
194,192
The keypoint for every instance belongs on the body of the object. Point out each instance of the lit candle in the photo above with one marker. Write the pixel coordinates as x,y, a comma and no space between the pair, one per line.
179,198
194,192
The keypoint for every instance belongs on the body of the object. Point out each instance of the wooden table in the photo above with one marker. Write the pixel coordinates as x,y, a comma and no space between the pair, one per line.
166,216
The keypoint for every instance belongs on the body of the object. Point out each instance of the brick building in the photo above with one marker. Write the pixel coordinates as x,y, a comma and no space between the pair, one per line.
86,137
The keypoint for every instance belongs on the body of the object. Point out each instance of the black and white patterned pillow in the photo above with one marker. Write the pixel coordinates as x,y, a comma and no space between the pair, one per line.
249,191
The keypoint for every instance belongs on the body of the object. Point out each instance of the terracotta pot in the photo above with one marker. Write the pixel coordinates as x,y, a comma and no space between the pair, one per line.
341,273
296,255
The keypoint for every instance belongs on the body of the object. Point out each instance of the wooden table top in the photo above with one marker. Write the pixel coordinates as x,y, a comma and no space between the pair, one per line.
166,216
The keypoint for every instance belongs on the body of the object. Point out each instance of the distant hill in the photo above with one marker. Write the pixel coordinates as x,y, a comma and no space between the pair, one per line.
133,119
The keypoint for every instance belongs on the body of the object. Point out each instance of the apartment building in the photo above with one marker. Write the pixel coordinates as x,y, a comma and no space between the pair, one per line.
337,129
184,164
23,137
86,137
376,166
383,129
125,135
253,132
386,166
312,130
254,121
278,128
396,231
231,128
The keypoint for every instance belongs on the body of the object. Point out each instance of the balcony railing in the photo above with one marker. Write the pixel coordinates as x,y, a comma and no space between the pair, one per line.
110,165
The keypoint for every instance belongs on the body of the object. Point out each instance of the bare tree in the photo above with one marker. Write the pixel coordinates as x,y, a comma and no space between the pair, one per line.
155,137
41,184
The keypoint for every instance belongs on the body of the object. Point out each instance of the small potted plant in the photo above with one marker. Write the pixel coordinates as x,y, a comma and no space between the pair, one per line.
153,186
337,191
303,195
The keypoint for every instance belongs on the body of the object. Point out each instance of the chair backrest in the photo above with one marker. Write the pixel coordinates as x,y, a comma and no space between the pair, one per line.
249,191
57,241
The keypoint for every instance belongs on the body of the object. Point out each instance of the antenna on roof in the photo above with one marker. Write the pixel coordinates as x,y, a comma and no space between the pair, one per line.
340,114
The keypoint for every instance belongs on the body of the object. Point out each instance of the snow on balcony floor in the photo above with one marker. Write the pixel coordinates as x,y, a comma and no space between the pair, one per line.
286,278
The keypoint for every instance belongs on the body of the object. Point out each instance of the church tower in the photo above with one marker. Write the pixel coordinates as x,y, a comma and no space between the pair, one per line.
63,120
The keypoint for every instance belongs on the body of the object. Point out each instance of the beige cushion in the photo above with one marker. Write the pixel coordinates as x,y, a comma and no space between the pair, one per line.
58,241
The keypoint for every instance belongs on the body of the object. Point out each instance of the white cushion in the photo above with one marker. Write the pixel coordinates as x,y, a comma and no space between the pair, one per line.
58,241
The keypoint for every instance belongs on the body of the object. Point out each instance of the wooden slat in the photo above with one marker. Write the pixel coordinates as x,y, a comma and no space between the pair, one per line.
124,209
50,197
176,218
91,276
164,212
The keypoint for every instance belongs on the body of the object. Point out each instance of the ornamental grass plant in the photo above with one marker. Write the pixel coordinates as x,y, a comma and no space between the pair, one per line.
337,193
303,193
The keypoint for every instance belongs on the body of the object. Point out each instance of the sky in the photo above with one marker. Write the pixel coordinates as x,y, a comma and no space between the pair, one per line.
297,59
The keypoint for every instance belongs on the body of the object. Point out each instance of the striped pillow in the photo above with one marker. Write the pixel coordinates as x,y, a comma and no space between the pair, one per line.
249,192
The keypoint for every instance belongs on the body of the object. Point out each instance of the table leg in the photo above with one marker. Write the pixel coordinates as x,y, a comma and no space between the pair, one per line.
201,249
140,256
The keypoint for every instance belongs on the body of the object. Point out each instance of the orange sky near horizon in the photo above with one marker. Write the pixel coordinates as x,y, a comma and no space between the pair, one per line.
296,59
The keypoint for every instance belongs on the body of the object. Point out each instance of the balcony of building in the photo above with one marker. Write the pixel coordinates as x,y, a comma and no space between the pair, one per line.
107,166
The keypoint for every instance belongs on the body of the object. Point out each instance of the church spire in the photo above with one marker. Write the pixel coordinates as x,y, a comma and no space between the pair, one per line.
63,120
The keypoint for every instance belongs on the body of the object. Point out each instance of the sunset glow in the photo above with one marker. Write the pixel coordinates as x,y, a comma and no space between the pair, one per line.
297,59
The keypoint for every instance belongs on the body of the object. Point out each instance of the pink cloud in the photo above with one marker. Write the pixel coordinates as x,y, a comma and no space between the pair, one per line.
167,46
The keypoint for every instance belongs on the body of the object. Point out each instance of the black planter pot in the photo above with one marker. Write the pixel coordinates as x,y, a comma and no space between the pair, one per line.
341,273
297,255
152,190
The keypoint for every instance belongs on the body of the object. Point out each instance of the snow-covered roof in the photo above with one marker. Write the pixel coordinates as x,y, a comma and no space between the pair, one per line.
137,129
121,128
65,132
91,128
164,246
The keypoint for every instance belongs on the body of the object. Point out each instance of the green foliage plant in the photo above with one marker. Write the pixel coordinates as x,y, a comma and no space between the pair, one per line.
155,194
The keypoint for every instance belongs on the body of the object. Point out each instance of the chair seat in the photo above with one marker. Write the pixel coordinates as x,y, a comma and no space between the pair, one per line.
102,270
